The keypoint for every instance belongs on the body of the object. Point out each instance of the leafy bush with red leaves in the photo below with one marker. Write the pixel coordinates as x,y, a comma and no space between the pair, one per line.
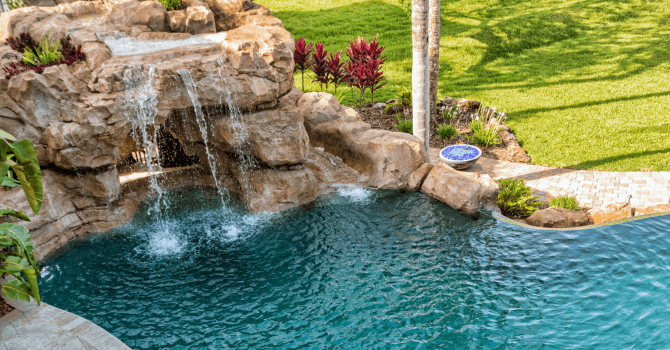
335,69
301,57
319,65
365,63
70,53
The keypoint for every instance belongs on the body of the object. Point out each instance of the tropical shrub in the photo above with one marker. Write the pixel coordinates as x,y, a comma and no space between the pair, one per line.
363,70
515,199
319,65
403,99
302,55
171,5
335,69
19,167
447,132
569,203
37,57
404,125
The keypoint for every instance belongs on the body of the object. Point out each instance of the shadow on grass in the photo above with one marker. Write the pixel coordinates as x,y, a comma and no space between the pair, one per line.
531,111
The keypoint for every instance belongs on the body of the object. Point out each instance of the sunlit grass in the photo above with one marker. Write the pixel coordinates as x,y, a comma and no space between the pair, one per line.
585,82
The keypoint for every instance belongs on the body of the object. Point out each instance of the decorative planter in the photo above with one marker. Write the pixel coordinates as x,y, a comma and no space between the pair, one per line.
460,157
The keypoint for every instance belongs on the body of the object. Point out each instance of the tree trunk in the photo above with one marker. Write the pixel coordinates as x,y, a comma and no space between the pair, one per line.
420,74
434,53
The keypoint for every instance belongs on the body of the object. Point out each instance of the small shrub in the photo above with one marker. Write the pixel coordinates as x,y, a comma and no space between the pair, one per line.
404,125
447,132
319,65
404,99
569,203
67,54
483,136
335,69
171,5
301,57
364,69
43,55
515,199
450,113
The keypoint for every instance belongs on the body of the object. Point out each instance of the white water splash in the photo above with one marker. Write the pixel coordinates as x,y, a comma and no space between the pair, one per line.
356,194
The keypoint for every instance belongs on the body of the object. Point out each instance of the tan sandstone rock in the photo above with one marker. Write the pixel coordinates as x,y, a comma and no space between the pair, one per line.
466,192
129,13
418,176
558,218
610,212
195,19
386,158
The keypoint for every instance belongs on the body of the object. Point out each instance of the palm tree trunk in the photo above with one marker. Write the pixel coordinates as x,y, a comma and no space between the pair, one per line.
434,53
420,73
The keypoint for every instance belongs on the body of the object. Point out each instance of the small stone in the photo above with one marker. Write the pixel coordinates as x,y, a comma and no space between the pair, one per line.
380,105
283,168
296,167
556,217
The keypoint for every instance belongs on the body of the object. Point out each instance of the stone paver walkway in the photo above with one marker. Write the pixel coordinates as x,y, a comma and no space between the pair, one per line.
591,188
30,327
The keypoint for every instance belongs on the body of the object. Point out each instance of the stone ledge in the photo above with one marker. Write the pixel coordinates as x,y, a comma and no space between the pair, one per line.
46,327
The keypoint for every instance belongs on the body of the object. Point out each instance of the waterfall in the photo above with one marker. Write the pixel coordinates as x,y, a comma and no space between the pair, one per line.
202,124
240,133
140,109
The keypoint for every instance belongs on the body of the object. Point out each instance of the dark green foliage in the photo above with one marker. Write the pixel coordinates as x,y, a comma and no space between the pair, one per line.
447,132
565,202
19,166
14,4
404,125
515,199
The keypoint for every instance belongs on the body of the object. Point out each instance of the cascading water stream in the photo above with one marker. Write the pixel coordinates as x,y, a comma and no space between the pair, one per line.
240,133
202,124
140,109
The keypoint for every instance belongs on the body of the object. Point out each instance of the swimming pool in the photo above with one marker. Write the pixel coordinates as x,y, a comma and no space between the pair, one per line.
365,269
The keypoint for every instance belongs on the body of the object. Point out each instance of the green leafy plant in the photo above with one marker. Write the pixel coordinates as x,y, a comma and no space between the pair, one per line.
483,136
15,4
44,54
447,132
450,113
171,5
19,167
515,199
404,100
565,202
404,125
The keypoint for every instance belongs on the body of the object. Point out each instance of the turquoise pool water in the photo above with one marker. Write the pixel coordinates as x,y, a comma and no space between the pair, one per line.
366,270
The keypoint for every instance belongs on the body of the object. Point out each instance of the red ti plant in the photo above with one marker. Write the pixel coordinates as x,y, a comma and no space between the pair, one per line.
335,69
301,56
365,63
319,65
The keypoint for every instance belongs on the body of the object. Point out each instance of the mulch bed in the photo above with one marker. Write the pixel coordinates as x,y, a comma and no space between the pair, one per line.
4,308
508,149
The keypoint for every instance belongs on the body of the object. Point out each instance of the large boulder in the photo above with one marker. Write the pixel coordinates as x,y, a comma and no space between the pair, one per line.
386,158
556,217
610,212
466,192
129,13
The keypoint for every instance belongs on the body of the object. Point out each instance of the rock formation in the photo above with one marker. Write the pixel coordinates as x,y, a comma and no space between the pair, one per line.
556,217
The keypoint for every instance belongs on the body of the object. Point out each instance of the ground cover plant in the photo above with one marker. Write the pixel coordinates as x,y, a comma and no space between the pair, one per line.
38,56
171,5
584,82
565,202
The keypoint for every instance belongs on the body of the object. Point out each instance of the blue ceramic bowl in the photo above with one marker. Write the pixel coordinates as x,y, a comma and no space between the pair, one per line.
460,157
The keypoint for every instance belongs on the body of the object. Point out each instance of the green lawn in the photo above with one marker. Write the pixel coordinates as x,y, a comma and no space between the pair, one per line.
586,83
